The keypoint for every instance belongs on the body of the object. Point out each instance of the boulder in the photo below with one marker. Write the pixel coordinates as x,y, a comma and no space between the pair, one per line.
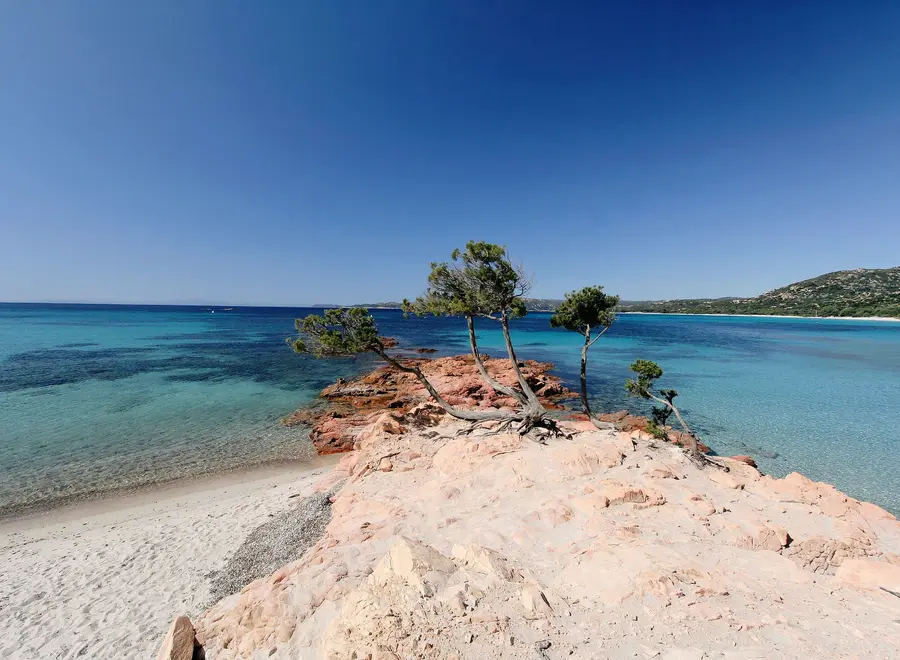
486,561
534,601
415,563
766,538
748,460
179,641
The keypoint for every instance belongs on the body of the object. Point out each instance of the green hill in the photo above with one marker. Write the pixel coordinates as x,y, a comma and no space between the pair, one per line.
860,292
542,304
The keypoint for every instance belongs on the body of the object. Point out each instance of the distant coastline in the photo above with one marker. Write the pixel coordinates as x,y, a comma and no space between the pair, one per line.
773,316
770,316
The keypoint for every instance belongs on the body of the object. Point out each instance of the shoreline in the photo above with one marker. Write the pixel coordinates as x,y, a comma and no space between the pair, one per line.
38,508
126,564
889,319
139,498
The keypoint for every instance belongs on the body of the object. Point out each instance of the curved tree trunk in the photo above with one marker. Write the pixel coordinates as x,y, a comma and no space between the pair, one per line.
485,376
693,446
526,388
584,349
468,415
584,395
533,412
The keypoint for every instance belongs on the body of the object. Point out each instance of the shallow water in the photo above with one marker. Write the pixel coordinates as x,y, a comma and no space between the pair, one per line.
94,398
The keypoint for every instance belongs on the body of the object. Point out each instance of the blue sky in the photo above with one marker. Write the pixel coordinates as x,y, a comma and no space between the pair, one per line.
301,152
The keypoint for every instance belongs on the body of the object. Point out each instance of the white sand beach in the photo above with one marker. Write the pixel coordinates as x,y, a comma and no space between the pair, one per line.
104,579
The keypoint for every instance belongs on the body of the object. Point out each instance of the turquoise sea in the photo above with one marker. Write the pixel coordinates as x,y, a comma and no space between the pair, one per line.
94,398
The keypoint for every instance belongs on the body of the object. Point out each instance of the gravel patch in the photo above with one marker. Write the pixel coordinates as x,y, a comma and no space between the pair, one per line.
273,544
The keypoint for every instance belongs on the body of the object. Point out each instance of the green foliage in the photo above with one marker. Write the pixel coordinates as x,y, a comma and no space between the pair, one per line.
449,293
587,308
647,372
669,395
660,414
337,332
531,304
656,429
480,281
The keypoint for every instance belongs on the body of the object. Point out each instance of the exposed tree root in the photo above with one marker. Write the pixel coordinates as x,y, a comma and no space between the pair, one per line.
532,423
700,459
527,423
703,460
601,425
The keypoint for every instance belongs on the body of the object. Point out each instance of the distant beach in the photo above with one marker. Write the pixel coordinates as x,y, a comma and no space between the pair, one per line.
772,316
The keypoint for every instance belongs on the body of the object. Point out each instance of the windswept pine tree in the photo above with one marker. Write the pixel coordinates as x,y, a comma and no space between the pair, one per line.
454,290
647,373
586,312
481,282
345,332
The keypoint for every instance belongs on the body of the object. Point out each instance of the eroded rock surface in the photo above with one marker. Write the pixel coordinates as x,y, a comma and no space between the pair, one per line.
603,545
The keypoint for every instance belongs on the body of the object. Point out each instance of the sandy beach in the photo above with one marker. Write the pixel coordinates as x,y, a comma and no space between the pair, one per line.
104,579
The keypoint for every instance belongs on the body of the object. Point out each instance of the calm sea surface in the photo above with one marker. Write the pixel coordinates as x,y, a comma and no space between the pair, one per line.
98,398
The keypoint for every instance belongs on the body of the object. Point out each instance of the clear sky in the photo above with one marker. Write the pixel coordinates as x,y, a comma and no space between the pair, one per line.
326,151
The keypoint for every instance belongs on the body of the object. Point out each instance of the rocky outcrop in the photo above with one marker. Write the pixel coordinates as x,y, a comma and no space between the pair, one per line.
745,459
606,544
348,406
179,641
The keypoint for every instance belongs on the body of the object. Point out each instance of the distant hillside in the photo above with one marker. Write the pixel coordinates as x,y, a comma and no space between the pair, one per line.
860,292
542,304
532,304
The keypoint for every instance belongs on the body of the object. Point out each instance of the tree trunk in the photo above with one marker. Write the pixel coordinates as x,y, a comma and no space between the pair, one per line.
693,446
497,387
604,426
584,350
526,388
468,415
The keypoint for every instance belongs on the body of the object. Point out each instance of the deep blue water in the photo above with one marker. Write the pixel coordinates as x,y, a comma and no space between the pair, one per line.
94,398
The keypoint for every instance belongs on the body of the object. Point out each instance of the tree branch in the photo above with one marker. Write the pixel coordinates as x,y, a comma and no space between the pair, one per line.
526,388
497,386
468,415
602,332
